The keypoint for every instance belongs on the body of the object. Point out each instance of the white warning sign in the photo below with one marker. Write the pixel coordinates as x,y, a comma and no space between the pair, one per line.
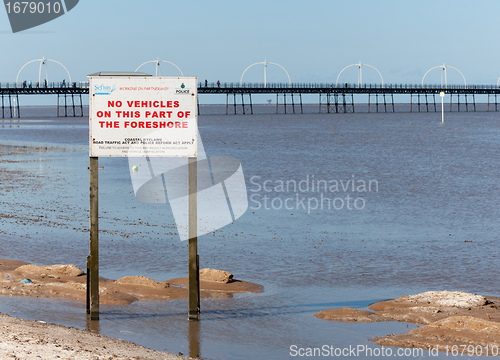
143,116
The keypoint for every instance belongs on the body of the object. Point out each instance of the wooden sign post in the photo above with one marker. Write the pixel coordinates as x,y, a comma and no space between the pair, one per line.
194,266
93,258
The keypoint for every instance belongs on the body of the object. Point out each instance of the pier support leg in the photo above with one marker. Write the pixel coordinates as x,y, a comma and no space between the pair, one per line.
81,106
17,105
10,107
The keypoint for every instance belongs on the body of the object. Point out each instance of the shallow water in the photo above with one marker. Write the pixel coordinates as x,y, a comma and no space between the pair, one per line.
430,222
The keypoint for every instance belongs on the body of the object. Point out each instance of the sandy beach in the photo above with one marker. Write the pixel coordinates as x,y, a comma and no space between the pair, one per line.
21,339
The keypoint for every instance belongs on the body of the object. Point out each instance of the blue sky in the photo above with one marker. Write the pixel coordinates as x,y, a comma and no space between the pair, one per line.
217,40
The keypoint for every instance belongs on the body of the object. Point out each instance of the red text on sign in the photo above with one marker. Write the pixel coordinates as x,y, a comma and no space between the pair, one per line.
109,124
106,114
155,124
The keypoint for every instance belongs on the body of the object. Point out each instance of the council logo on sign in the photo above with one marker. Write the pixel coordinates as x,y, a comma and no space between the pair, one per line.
183,90
104,89
28,14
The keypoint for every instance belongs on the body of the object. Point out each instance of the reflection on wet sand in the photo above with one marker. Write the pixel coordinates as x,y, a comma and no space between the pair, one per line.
193,336
92,325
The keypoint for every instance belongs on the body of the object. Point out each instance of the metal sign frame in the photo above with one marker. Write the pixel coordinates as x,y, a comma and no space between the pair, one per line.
144,116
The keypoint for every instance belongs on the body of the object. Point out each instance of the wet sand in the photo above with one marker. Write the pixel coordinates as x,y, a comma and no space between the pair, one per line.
22,339
70,282
448,319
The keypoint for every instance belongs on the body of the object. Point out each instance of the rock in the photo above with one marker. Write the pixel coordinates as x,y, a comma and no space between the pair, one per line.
58,269
220,276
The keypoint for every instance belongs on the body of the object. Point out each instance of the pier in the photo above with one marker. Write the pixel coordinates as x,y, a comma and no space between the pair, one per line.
340,98
69,96
332,98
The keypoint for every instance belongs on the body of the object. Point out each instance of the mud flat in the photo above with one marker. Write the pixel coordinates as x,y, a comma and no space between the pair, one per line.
19,278
450,319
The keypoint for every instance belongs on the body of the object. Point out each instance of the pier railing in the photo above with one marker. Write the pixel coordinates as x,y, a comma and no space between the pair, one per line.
237,85
43,85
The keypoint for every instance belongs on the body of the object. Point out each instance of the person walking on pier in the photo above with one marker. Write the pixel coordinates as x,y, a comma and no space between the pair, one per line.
45,83
24,84
206,82
218,83
29,84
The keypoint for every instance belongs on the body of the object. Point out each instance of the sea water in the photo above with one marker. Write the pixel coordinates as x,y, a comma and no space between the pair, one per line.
413,205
